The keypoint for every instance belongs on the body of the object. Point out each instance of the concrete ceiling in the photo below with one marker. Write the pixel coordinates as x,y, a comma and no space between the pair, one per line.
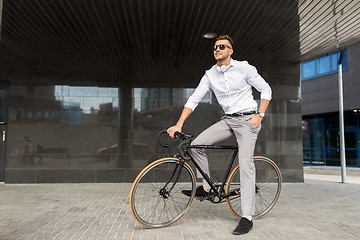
326,26
159,43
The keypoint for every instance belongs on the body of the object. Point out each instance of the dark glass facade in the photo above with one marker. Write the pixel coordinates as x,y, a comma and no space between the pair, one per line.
91,83
321,139
62,133
91,134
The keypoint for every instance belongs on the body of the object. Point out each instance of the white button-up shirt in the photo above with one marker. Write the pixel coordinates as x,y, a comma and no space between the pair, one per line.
232,87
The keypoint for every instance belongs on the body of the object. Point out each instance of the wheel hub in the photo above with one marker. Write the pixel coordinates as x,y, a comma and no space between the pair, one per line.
165,194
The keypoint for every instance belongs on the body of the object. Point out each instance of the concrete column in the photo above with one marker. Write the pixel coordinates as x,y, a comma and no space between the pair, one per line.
125,127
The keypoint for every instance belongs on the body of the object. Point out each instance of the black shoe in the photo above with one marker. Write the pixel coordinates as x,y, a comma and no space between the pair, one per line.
243,227
200,192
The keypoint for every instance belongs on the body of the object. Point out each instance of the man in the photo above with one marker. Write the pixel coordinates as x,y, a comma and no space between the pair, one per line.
232,82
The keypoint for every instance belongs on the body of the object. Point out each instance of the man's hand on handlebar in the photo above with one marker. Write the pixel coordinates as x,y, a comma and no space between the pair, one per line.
172,130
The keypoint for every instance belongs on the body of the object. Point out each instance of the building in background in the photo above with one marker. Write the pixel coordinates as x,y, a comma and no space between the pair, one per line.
85,86
320,108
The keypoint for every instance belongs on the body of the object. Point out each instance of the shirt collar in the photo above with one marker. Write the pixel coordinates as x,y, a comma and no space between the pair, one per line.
224,68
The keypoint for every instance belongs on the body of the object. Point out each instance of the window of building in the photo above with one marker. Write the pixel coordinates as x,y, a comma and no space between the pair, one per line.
323,65
321,139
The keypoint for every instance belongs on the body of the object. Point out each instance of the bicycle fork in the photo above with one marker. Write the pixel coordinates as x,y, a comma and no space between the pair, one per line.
166,193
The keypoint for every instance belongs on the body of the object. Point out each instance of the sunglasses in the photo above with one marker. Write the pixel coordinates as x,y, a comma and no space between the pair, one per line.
221,47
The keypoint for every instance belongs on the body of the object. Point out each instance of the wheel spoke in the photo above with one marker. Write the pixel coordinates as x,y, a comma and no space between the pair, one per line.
268,180
155,200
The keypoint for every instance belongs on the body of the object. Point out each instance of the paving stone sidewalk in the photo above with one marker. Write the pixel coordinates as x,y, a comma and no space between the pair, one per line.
316,209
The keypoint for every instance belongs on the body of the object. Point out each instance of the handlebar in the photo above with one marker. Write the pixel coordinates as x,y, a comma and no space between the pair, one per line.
160,142
185,140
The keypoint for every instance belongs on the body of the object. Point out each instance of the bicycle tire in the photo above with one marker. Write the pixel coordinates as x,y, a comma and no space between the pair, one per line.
268,188
150,205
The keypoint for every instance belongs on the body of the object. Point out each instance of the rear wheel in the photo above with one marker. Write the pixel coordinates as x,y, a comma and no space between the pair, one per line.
267,188
155,199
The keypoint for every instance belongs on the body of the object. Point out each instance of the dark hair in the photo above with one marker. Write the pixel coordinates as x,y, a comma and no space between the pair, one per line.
225,37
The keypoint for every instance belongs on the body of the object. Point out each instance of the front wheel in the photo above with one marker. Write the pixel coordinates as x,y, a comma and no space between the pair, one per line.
267,188
156,199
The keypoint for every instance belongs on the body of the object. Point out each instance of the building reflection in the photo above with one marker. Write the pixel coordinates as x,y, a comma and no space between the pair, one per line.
74,127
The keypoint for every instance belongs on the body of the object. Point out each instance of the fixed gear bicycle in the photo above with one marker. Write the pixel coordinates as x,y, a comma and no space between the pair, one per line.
156,198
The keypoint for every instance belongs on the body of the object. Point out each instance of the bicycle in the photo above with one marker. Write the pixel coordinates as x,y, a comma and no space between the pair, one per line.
156,199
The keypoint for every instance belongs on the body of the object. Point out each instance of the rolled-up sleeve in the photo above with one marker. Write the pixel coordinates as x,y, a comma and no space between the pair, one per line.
255,80
199,93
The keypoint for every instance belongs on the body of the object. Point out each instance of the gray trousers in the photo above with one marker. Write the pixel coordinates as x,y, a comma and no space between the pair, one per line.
246,136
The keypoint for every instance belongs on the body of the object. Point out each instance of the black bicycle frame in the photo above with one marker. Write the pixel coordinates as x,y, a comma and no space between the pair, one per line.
207,178
173,174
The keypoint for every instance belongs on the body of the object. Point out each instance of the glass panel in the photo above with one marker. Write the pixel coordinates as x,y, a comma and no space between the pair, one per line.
308,69
317,156
316,123
312,127
333,157
351,157
331,120
334,62
306,153
350,140
83,91
93,127
350,119
66,127
316,139
324,65
108,92
306,142
332,139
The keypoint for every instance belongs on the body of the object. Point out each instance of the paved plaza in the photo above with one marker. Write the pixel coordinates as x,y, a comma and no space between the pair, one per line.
319,208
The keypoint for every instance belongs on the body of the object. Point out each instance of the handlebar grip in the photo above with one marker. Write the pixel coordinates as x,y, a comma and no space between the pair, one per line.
161,143
184,138
177,135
